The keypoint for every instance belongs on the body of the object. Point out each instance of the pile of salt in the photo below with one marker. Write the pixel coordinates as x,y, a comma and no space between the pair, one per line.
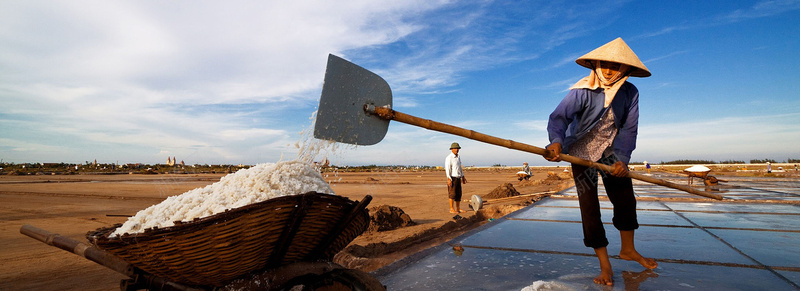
244,187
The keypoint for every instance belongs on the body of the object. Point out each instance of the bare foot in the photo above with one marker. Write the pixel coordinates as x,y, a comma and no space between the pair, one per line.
635,256
453,211
461,211
605,278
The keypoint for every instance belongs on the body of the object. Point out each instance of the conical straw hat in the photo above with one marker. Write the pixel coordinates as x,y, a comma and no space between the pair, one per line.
615,51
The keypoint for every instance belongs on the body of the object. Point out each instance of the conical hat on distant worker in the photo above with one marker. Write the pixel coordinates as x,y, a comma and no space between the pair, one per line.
615,51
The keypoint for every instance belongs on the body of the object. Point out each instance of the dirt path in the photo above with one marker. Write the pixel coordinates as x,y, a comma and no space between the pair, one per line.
74,205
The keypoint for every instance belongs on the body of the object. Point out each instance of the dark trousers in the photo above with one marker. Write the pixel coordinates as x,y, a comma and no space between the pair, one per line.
454,190
620,193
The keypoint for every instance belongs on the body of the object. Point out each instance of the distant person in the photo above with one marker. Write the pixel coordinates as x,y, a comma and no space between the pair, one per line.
647,166
455,177
525,173
598,121
769,168
795,167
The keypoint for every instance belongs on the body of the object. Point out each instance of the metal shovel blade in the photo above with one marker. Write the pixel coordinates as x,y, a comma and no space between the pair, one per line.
341,116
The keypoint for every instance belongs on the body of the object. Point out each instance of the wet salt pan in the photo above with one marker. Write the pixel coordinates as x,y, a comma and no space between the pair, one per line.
244,187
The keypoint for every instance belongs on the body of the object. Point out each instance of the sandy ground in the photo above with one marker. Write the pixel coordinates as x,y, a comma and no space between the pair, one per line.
74,205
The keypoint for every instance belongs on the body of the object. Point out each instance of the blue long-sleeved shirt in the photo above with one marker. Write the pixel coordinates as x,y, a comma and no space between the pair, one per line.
580,111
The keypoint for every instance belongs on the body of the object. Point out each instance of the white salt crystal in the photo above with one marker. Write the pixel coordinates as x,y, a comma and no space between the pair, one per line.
246,186
548,285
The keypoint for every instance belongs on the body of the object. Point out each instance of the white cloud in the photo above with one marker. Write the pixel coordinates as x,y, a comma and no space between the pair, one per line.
532,125
125,73
738,138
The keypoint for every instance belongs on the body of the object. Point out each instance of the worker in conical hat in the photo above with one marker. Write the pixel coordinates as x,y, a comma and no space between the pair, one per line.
598,121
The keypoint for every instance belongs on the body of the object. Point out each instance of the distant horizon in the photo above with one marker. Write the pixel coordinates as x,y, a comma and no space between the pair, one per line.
560,164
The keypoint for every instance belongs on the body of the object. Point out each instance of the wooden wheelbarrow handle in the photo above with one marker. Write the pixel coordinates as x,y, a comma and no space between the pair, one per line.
389,114
101,257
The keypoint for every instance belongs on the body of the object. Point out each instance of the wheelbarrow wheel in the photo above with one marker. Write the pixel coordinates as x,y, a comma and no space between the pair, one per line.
711,181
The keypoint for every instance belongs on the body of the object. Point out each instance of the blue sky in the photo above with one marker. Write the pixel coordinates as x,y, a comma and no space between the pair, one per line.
238,81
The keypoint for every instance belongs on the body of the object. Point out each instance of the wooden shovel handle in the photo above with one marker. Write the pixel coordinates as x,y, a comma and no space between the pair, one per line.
389,114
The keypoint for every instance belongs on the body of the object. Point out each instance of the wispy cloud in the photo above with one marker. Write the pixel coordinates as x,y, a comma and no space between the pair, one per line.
160,75
563,84
758,10
667,56
475,36
532,125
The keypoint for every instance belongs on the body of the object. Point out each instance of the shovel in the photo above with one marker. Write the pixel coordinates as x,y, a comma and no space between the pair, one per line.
356,107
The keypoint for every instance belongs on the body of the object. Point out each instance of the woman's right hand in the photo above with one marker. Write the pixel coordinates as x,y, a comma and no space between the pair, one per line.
555,152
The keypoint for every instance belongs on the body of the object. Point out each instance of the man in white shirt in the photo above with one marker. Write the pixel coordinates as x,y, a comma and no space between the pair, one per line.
455,177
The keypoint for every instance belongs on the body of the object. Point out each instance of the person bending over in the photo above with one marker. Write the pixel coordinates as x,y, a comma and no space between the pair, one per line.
598,121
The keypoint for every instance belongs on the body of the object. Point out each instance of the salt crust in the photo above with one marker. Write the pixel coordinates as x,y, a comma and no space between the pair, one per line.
247,186
550,285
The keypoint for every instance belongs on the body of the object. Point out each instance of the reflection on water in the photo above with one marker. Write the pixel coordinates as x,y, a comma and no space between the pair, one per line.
715,188
633,279
704,244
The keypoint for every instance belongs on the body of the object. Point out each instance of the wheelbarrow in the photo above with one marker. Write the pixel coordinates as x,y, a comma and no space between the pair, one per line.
270,245
701,172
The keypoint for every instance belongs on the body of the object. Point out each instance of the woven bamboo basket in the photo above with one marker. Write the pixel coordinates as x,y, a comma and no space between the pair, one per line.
214,250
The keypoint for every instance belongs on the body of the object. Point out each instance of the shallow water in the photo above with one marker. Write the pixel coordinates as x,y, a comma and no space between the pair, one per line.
700,245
